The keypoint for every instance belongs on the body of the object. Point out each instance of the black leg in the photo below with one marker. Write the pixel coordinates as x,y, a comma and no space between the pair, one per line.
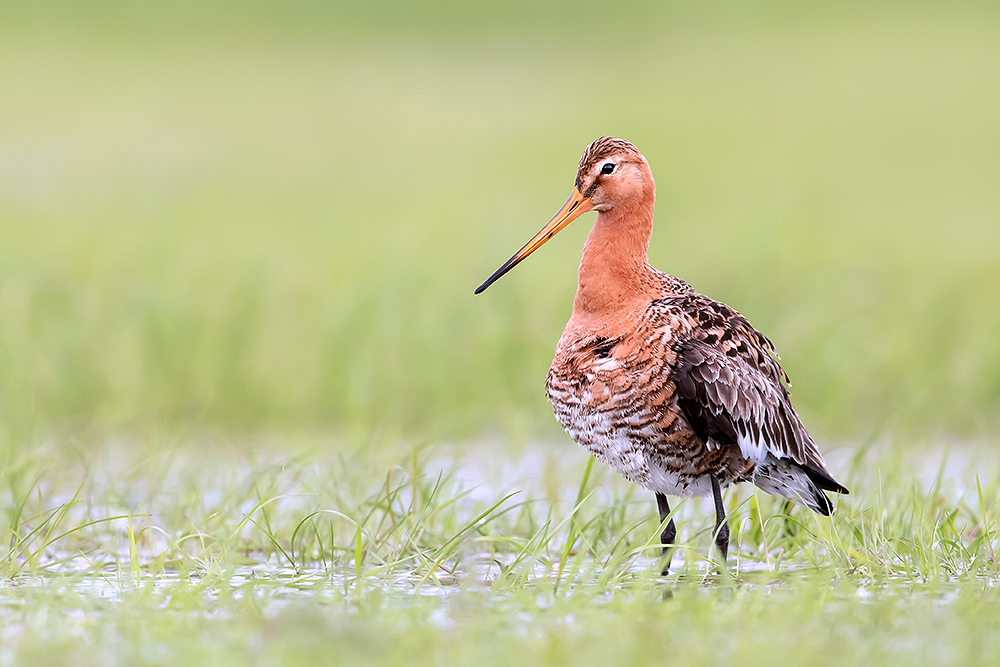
721,526
669,533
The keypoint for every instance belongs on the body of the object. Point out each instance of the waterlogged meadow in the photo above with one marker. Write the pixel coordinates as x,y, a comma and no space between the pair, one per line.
253,556
251,413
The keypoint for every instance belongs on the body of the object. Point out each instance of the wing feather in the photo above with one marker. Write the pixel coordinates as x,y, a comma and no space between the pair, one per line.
733,391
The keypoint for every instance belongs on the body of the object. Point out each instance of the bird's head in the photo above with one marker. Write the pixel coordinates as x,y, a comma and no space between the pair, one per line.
612,174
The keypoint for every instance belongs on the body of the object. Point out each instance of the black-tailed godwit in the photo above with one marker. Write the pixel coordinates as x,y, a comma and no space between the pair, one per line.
675,391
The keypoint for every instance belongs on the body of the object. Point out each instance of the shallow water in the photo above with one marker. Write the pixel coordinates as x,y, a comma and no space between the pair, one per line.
220,581
276,586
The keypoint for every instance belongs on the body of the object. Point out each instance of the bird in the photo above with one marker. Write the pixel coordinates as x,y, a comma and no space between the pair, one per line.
675,391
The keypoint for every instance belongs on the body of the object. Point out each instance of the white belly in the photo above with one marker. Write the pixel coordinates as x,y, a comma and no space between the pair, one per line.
627,456
671,484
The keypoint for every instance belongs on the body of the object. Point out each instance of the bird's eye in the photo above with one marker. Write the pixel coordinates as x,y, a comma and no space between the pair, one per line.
608,168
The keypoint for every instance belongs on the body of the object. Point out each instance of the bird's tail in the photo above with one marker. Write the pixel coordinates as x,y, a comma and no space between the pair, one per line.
787,478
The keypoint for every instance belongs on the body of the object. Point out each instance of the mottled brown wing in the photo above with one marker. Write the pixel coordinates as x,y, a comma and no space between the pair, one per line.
733,391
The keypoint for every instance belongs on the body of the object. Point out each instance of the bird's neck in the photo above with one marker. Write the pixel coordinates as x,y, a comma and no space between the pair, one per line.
614,269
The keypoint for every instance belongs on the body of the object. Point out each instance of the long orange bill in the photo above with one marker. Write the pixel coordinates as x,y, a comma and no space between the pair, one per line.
574,206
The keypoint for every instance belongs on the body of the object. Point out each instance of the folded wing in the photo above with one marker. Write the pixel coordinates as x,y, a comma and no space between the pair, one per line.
732,392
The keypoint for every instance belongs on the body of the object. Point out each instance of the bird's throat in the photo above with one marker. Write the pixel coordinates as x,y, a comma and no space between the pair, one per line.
614,269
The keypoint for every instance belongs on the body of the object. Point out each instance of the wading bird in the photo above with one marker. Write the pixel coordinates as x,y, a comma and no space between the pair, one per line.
675,391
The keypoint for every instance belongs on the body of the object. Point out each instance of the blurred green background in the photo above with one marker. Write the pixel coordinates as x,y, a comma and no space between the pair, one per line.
255,216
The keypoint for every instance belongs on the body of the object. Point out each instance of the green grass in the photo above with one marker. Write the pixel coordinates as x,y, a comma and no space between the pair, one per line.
238,243
263,556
